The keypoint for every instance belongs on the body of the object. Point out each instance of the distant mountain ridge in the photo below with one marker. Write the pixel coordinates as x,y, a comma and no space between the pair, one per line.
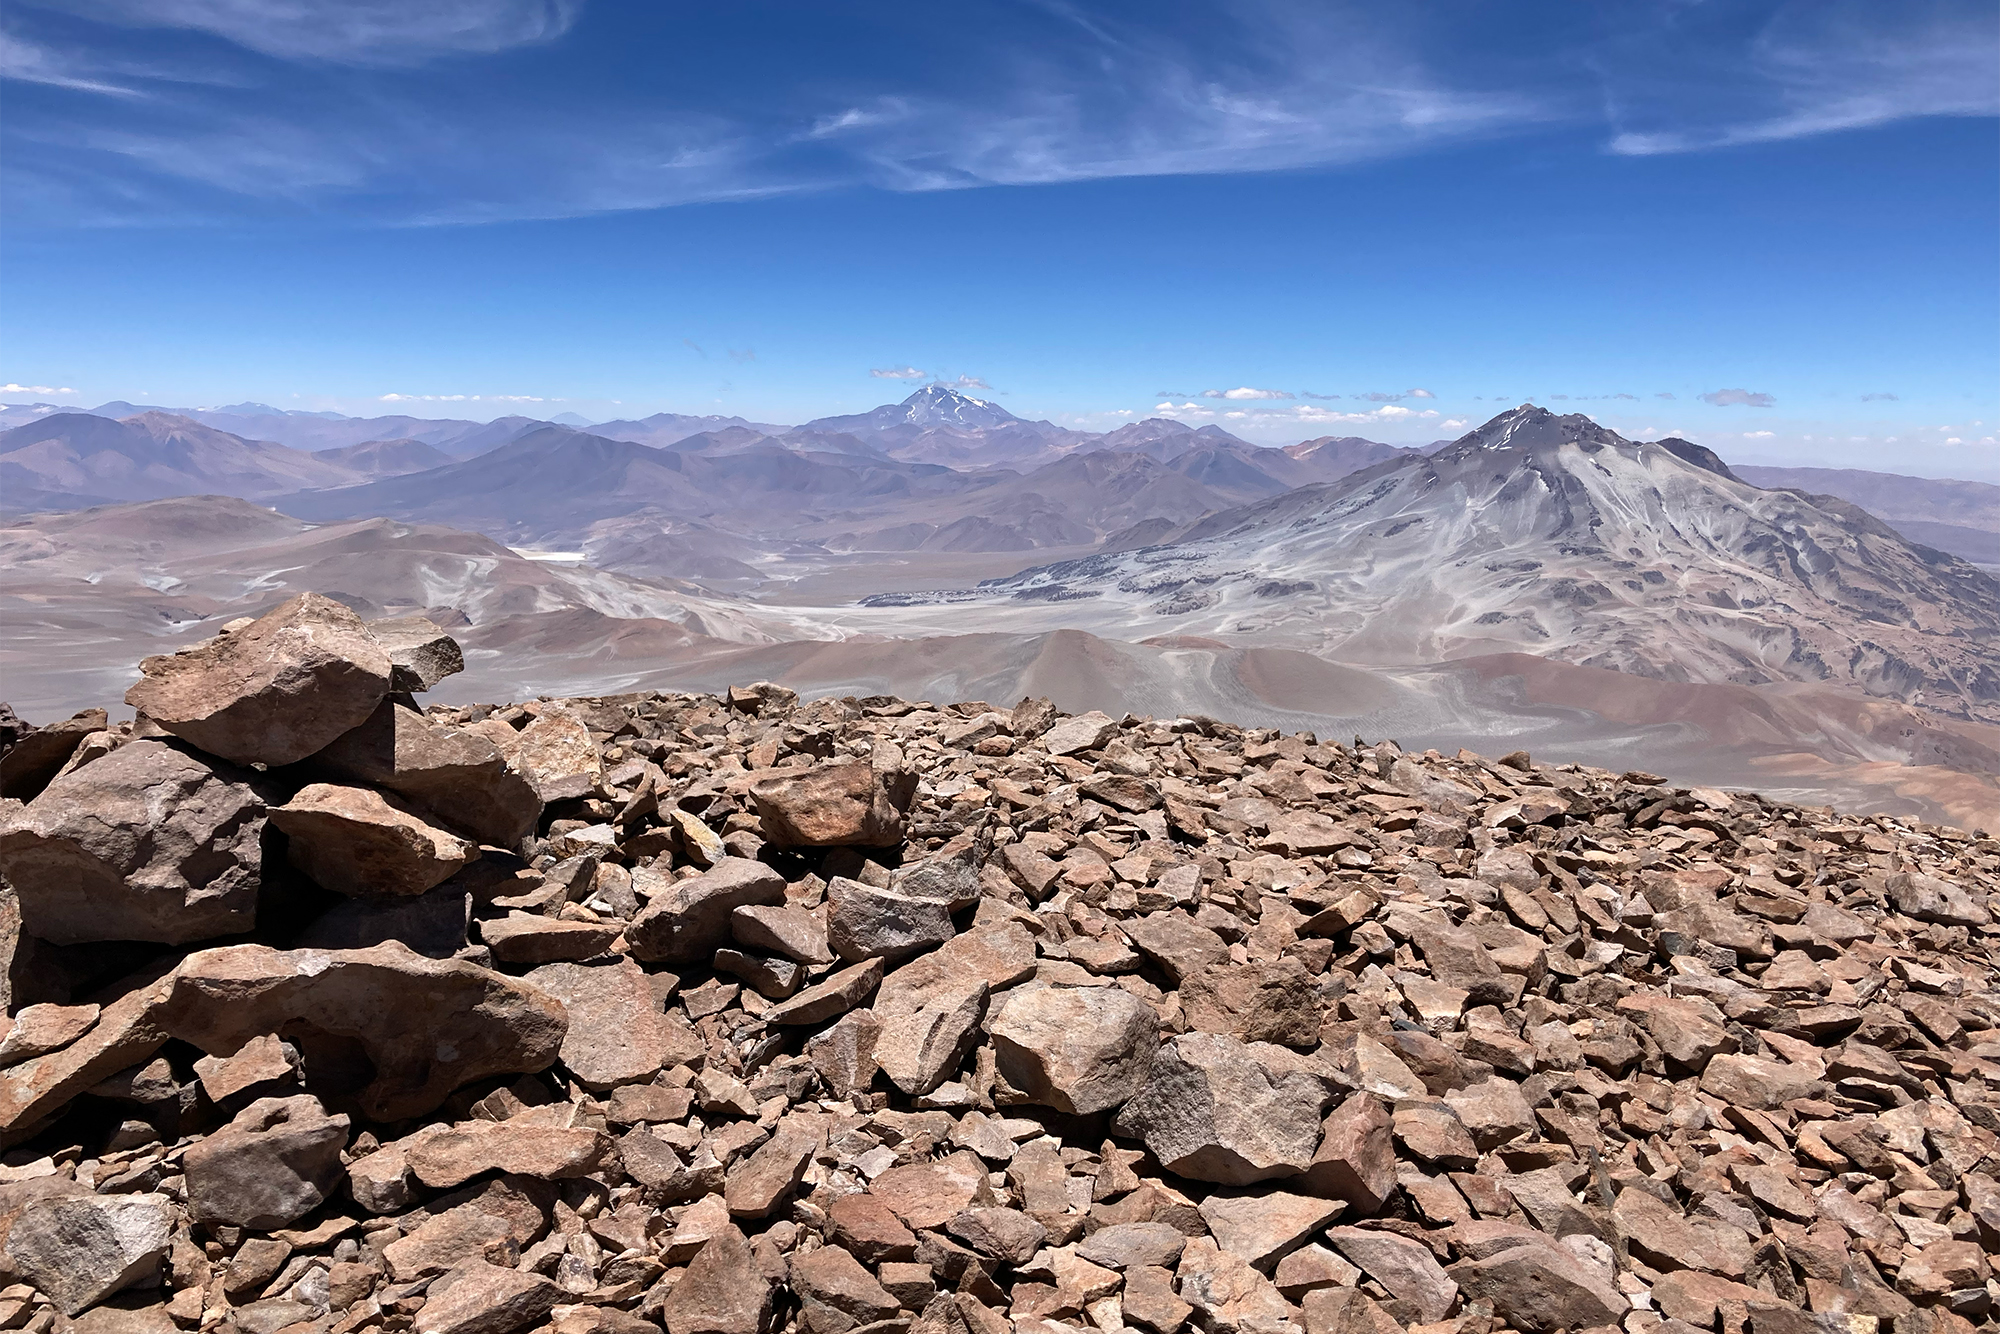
1556,536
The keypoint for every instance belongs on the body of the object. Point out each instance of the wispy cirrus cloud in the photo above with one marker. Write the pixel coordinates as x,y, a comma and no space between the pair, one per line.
1738,398
358,32
897,373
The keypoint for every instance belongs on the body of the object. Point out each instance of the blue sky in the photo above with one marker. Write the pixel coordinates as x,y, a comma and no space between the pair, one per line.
1769,227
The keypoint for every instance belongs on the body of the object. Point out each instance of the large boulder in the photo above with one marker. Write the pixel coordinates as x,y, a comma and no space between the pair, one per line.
928,1011
1538,1287
688,920
457,777
1216,1109
857,803
724,1291
1076,1049
358,842
274,691
384,1030
148,843
275,1163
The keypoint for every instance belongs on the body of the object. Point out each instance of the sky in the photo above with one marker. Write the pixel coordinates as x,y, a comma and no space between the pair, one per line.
1768,227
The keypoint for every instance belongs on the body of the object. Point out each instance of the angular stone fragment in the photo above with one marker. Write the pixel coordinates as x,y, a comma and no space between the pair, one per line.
420,653
422,1027
359,842
80,1249
27,766
1457,959
927,1195
793,932
1227,1291
864,922
1257,1002
261,1060
481,1298
1007,1235
1175,942
835,996
1212,1109
723,1291
1266,1226
273,692
1539,1288
531,938
491,1218
865,1225
1077,1049
831,1277
127,1032
149,843
1356,1158
1345,1310
1754,1082
40,1029
1133,1245
457,777
276,1162
1696,1298
1493,1112
455,1154
833,805
618,1033
689,919
1664,1239
1405,1267
1085,731
762,1181
1930,899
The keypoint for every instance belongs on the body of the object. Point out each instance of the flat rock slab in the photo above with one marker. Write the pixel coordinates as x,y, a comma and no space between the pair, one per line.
362,843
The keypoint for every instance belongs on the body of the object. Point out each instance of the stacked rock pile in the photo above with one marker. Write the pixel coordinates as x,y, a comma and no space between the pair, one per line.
740,1015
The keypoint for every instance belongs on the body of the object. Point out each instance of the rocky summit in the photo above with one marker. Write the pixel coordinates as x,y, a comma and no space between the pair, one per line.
740,1014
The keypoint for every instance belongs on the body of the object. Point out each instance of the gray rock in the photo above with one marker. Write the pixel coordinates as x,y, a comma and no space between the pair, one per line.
420,653
150,842
457,777
864,922
273,1164
1212,1109
80,1249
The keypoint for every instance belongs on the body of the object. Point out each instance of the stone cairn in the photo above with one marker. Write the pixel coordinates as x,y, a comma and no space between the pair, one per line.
736,1015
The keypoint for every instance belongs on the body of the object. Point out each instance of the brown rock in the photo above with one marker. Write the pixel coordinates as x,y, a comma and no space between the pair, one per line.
358,842
1752,1081
760,1183
1215,1109
833,805
831,1277
27,766
531,938
867,1226
793,932
1539,1288
420,653
1494,1112
690,919
1345,1310
1077,1049
148,843
723,1291
1265,1227
480,1298
927,1195
127,1032
273,1164
1257,1002
272,692
1405,1267
40,1029
424,1026
864,922
1177,944
458,778
1356,1158
490,1218
835,996
556,754
454,1155
617,1032
1694,1297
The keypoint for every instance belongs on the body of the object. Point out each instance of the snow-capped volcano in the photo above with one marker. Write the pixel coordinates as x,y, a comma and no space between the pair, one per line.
1554,535
933,405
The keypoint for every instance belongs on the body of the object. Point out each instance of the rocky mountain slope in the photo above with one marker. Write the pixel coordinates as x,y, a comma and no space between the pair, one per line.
69,459
736,1015
1960,517
1555,536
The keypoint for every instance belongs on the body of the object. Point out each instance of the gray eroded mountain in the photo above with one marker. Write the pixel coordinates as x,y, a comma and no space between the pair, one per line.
1555,536
1956,516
